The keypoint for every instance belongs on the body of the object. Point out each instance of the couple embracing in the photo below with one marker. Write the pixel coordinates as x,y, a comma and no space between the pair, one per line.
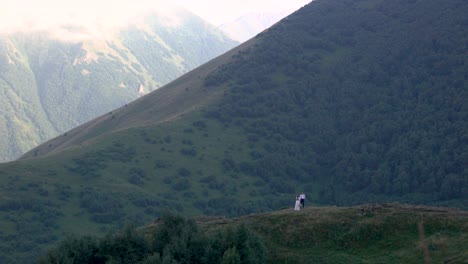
299,202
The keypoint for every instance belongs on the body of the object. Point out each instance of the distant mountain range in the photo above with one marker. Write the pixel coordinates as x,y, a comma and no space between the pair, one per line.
249,25
51,85
349,101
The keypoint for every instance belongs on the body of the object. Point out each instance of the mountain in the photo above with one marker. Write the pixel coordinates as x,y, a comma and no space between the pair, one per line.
371,233
249,25
51,84
350,101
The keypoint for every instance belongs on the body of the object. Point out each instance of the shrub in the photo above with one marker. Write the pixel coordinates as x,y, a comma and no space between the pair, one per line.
74,250
181,185
174,240
184,172
231,256
188,152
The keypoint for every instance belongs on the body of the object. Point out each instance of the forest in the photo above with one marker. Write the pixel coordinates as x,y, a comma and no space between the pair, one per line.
375,109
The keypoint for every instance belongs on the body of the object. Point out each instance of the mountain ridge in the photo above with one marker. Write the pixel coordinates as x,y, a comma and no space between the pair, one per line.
250,24
67,81
164,94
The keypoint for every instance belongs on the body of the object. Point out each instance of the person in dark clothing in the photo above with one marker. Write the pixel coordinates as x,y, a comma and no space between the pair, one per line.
302,198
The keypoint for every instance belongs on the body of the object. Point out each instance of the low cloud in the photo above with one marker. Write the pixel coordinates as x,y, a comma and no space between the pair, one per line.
76,20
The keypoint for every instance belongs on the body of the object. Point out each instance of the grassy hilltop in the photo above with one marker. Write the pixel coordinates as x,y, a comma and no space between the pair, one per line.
374,233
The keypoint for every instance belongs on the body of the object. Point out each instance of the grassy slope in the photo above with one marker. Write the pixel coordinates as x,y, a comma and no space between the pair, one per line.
43,200
387,233
52,86
168,103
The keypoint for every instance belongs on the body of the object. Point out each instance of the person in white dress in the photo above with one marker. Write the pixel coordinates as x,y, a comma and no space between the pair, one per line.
297,206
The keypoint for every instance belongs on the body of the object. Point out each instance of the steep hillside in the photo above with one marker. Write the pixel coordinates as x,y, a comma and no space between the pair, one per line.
52,85
367,103
388,233
171,102
351,101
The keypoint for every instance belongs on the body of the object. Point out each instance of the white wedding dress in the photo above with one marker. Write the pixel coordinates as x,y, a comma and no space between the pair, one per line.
297,206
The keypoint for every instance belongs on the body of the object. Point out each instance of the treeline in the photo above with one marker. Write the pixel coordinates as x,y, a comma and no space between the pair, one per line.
172,240
368,103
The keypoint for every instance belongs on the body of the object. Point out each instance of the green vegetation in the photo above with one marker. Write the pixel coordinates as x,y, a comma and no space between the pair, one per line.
370,102
171,240
49,86
324,102
388,233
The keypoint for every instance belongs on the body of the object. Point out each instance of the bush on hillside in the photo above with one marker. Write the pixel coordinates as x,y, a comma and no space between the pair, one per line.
174,240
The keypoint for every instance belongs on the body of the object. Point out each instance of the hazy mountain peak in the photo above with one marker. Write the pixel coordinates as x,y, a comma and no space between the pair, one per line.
88,58
252,23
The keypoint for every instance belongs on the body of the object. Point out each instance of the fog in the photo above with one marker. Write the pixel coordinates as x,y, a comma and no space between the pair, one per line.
75,20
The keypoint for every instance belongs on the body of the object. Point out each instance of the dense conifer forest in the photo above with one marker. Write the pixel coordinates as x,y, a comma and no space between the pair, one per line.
371,101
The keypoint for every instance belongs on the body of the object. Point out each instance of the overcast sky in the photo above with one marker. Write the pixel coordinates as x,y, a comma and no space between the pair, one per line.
35,13
78,20
221,11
